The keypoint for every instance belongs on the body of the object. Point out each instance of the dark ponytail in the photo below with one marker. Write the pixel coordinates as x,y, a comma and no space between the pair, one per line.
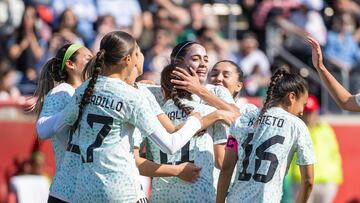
282,82
113,47
97,63
51,74
173,93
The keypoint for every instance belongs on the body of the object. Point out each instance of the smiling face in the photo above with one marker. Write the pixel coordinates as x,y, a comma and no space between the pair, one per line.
225,74
197,58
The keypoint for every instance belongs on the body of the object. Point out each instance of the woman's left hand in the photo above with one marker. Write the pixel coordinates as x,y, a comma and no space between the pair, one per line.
188,82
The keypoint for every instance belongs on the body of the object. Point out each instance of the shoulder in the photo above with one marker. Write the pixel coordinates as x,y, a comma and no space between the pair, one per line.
63,88
221,92
246,120
245,108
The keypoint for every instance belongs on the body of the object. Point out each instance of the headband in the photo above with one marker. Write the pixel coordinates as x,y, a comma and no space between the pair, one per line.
187,43
69,52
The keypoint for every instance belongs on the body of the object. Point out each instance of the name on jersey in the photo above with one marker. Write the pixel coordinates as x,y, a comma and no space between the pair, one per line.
106,102
176,115
268,120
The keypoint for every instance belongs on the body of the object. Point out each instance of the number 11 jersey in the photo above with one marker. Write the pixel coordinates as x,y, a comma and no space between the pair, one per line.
264,154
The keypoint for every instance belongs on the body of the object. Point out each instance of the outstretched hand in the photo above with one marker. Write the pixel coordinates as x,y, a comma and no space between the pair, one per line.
317,57
188,82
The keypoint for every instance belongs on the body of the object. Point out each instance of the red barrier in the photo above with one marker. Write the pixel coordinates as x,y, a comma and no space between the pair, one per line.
17,139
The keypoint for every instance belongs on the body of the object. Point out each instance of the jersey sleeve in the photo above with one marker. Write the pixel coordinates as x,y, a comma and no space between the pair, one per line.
141,116
155,90
220,132
154,105
357,98
303,146
56,101
138,138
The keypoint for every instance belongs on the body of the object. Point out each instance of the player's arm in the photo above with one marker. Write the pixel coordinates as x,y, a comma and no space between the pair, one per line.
191,83
306,184
225,175
341,96
185,171
219,152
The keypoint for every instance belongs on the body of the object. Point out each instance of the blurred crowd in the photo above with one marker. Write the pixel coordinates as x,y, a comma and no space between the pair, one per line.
32,30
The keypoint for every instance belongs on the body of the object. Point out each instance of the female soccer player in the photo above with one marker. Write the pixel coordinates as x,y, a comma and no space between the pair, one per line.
194,56
267,141
105,111
199,150
341,96
58,80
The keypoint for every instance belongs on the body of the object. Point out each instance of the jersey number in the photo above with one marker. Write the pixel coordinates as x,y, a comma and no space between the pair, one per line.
104,131
185,155
262,155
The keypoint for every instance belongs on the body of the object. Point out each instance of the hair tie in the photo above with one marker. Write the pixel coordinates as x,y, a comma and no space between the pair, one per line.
69,52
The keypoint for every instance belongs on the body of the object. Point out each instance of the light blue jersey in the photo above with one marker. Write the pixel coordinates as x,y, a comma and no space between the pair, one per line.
199,150
108,172
357,98
55,101
264,155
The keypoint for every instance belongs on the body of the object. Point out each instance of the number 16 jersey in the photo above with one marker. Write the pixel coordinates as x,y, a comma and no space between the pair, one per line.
264,154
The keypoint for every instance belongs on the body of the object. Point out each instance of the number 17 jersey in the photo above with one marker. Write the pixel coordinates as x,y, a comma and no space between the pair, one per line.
265,152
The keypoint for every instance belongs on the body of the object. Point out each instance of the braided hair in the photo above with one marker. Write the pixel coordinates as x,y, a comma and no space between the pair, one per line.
50,75
173,93
282,82
113,47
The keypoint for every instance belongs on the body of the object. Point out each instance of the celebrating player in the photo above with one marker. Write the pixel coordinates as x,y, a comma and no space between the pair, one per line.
199,150
267,140
106,109
64,71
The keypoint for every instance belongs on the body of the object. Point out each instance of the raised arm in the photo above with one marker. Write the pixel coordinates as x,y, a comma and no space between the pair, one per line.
342,97
191,84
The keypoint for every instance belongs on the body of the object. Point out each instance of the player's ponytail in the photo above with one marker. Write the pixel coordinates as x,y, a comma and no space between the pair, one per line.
282,82
171,92
97,64
113,47
53,72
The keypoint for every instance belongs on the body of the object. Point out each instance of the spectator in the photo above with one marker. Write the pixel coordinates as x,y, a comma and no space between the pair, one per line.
10,18
85,12
67,28
197,21
341,49
26,49
214,44
328,159
304,21
104,25
8,90
127,14
158,55
254,64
